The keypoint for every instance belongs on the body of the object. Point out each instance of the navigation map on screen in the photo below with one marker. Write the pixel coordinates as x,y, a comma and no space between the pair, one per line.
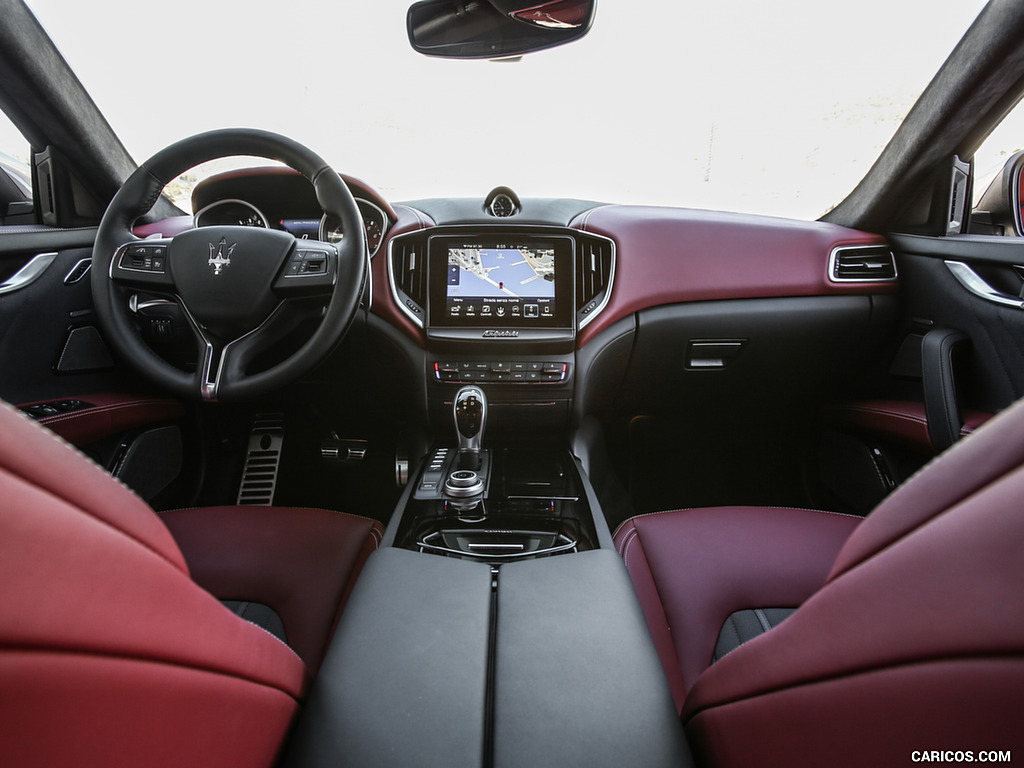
500,282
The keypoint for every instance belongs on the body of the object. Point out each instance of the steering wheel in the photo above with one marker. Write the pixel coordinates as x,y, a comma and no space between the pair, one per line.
236,285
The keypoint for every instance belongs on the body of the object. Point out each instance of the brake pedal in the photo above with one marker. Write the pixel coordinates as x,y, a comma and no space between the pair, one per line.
262,461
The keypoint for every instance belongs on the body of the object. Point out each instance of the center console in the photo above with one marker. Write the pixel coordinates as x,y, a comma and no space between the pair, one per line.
504,503
496,625
500,307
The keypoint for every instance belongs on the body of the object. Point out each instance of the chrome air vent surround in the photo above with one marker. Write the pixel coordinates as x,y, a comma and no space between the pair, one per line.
861,263
407,274
595,273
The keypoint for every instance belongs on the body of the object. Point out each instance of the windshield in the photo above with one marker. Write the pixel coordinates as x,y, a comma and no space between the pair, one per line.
777,108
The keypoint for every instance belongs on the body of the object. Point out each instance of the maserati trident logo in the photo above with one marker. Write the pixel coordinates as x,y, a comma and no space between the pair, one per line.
219,259
500,334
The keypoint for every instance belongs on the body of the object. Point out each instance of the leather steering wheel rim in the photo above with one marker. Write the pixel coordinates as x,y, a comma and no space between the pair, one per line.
226,378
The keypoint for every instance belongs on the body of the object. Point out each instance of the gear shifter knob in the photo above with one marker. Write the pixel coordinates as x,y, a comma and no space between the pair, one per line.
470,410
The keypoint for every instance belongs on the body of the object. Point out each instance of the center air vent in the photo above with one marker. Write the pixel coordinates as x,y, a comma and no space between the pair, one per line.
862,263
595,270
408,273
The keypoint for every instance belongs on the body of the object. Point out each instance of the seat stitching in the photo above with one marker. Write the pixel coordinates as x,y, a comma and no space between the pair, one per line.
269,634
93,411
753,506
54,436
627,543
895,414
120,656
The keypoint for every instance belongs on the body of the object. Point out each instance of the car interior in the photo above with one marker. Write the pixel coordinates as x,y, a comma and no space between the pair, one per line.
307,476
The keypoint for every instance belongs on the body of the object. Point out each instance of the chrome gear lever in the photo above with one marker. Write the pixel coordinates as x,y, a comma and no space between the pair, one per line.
470,411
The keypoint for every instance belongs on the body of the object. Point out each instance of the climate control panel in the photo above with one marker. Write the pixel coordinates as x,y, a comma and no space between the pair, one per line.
501,371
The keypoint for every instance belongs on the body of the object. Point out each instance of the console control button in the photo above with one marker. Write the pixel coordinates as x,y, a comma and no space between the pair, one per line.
519,371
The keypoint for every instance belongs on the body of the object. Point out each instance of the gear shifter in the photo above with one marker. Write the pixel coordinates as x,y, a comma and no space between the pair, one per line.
470,409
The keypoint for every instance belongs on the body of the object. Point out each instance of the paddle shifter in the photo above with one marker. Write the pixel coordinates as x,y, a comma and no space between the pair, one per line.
470,409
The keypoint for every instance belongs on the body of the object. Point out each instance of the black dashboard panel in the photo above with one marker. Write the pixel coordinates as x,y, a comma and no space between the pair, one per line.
545,212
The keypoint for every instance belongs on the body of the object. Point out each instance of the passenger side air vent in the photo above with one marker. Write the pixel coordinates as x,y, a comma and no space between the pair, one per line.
861,263
407,272
595,271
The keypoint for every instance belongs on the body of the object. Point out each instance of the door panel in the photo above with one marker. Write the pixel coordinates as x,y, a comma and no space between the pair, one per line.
50,346
991,374
929,383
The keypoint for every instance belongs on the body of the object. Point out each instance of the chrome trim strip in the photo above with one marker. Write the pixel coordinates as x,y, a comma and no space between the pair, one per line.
121,250
28,274
383,222
68,277
608,288
418,321
973,282
207,388
427,546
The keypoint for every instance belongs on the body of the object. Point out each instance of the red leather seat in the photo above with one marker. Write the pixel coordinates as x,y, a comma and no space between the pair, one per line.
908,635
113,655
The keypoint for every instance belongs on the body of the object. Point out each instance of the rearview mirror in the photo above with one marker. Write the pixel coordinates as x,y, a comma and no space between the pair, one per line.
495,29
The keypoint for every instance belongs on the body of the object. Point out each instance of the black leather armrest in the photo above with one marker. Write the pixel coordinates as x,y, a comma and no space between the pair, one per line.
940,350
577,679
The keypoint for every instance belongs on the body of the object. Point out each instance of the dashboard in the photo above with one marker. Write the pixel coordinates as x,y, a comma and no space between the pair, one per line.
570,305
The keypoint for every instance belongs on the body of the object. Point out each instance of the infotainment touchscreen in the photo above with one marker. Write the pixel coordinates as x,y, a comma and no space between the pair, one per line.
513,282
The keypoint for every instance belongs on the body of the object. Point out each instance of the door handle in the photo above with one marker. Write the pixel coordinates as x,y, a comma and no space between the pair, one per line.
974,283
27,274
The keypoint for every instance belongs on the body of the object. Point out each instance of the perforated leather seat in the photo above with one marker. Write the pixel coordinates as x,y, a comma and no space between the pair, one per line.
908,635
113,655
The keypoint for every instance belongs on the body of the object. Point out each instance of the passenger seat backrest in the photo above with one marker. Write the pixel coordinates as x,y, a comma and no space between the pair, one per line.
967,467
915,642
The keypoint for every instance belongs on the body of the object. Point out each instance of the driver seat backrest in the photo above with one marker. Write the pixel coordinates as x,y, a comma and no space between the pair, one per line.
913,638
111,654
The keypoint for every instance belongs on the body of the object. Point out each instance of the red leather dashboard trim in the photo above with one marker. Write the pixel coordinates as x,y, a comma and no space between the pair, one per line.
669,255
111,414
168,227
905,422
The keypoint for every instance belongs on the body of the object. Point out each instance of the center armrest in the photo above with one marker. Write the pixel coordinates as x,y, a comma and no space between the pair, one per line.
404,681
442,661
577,679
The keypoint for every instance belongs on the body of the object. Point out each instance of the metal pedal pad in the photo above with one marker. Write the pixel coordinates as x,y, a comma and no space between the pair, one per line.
259,478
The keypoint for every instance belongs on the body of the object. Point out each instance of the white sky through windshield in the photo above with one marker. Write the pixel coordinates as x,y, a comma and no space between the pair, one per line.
775,108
